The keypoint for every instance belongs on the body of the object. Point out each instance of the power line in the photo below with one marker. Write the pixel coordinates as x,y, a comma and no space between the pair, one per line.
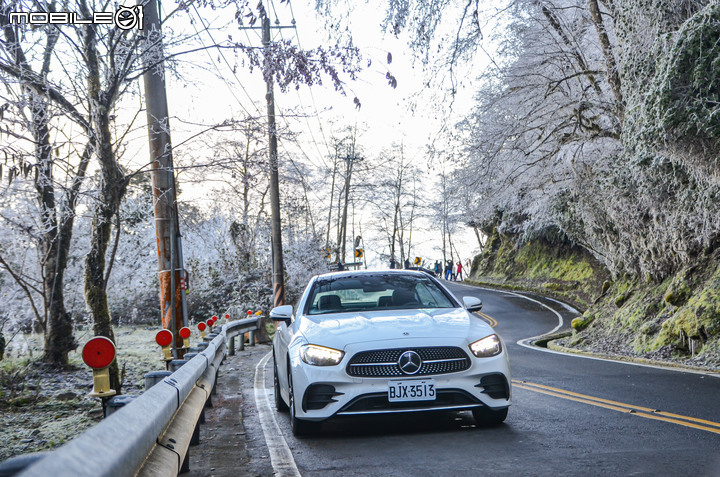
232,70
312,97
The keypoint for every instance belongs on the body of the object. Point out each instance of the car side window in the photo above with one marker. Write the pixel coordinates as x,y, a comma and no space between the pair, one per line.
432,297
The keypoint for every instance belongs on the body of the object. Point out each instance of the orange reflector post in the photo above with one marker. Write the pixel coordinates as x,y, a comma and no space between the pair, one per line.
201,327
165,338
210,323
227,317
185,335
98,354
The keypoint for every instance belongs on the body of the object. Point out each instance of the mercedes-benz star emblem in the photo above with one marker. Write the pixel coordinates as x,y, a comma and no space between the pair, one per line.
409,362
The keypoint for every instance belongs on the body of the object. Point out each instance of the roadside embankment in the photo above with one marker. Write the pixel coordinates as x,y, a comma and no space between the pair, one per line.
676,321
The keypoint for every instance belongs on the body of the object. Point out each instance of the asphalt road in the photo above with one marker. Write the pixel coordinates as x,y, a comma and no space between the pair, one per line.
571,416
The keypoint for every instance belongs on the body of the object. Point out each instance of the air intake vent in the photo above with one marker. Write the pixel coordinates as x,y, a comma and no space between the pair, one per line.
495,386
317,396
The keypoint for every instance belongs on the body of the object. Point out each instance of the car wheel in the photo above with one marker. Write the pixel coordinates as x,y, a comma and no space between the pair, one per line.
279,403
299,427
486,417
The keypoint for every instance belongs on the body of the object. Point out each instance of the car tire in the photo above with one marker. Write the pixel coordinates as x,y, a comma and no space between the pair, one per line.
280,405
486,417
299,427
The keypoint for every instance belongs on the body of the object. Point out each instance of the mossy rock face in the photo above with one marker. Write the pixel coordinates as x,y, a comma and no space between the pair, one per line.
582,322
685,92
557,269
606,286
678,292
621,299
553,286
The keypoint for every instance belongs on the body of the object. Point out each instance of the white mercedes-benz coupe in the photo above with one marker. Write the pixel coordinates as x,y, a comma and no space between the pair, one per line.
372,342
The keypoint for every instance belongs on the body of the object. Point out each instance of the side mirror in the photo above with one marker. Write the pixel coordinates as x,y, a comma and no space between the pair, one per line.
472,303
282,313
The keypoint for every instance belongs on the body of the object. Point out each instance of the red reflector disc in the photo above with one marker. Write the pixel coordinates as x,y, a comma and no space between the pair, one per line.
214,318
202,326
227,317
164,337
184,333
210,323
99,352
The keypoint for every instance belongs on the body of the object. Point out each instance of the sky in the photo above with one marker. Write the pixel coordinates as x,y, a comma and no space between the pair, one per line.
407,114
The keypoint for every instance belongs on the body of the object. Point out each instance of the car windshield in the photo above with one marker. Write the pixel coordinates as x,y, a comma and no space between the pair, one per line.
375,292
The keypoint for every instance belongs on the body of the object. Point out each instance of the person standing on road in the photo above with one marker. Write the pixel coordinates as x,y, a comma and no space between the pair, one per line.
449,269
459,271
438,268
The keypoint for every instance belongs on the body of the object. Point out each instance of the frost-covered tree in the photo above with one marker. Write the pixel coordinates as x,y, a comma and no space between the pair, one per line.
39,146
80,74
393,193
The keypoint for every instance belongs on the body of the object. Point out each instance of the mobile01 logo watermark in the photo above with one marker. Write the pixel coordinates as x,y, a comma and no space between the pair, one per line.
124,18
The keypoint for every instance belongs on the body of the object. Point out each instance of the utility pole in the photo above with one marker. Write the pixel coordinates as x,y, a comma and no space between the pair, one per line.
332,193
277,257
163,178
278,275
350,160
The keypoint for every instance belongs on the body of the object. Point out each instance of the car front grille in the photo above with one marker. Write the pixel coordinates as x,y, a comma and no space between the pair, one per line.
383,363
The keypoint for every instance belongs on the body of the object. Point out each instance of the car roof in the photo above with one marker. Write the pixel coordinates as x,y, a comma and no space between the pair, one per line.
354,273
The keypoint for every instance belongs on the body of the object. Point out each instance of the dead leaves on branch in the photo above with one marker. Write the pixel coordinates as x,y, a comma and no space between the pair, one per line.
287,66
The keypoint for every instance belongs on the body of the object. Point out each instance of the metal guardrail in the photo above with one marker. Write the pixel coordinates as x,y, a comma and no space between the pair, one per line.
132,440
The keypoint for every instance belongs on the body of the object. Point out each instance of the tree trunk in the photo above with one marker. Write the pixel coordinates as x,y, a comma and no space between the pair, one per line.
59,340
113,189
113,185
55,235
612,71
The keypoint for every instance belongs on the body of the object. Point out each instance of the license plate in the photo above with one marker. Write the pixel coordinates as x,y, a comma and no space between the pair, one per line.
415,390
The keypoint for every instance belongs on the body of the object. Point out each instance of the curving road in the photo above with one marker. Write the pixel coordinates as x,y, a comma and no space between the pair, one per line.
571,415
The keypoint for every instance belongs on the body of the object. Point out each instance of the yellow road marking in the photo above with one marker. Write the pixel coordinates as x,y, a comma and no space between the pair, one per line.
645,412
491,321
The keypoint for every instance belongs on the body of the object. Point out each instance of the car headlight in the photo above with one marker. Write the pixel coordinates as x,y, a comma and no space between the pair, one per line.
486,347
320,355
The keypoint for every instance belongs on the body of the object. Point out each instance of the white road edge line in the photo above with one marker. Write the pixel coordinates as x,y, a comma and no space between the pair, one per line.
526,342
281,457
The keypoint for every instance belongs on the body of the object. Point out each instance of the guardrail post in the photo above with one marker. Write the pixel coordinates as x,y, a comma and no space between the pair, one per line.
176,364
195,439
186,463
116,402
154,377
232,346
251,338
241,344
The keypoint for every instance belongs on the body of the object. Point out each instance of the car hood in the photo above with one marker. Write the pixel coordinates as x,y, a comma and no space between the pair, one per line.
342,329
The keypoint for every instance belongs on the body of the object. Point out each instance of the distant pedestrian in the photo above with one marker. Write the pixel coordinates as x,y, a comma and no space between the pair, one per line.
407,263
448,270
438,268
392,263
459,271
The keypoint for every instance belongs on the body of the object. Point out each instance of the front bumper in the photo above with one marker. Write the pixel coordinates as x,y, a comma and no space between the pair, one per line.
326,391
